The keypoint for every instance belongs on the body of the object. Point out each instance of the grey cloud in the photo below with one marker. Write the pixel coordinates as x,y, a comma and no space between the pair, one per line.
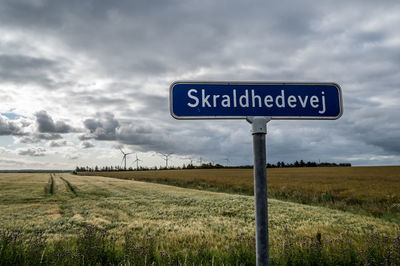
174,37
201,35
142,137
23,69
58,143
47,136
37,137
46,124
84,137
103,127
148,102
87,145
181,140
375,126
35,152
13,128
25,64
72,157
87,98
28,140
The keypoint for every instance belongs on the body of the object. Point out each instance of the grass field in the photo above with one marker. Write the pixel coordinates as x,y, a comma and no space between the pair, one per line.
91,219
368,190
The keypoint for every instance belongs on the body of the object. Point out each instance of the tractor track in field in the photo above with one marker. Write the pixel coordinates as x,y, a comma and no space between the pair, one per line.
70,187
50,187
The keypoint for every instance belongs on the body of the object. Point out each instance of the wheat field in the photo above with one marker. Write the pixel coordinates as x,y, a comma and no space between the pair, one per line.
368,190
61,205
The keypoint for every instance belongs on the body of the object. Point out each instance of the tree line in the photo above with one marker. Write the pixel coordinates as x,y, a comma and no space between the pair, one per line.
279,164
301,163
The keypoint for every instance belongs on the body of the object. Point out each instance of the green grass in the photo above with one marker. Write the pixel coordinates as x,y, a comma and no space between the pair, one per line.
368,190
136,222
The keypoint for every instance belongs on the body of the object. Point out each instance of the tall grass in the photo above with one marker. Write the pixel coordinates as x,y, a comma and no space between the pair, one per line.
374,249
94,246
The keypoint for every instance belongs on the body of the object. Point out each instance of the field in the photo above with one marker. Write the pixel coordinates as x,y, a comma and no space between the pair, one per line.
367,190
70,219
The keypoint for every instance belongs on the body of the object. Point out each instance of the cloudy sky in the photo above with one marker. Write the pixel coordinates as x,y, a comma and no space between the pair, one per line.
81,79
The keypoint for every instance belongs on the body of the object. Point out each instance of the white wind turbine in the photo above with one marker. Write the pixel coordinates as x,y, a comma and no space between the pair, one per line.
166,158
137,162
124,157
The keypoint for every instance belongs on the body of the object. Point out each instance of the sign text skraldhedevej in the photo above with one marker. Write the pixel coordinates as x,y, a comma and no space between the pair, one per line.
202,100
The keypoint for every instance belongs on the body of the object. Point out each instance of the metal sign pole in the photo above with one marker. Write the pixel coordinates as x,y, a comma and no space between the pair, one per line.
259,131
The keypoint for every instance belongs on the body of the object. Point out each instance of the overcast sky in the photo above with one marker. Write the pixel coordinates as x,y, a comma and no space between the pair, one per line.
81,79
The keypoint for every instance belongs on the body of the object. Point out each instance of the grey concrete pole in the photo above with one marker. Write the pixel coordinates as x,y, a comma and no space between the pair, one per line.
259,130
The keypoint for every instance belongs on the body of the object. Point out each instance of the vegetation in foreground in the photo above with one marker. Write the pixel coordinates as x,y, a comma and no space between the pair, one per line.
95,246
66,219
368,190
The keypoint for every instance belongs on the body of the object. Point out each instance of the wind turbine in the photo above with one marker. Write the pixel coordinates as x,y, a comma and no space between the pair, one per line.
166,158
227,161
124,157
190,159
137,162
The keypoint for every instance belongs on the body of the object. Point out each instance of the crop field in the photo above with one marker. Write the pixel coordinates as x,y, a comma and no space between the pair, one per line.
368,190
70,219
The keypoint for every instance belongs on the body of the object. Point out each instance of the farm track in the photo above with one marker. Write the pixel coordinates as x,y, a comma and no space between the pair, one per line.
70,187
51,185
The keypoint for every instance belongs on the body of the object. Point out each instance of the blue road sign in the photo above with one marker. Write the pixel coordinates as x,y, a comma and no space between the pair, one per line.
235,100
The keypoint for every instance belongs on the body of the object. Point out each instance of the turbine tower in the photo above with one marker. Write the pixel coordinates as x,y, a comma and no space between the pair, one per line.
166,155
124,157
137,162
